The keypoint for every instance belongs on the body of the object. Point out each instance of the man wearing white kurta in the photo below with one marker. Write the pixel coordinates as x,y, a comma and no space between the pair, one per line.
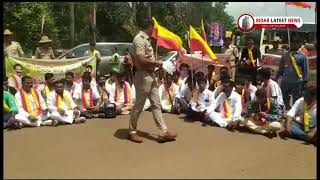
202,98
121,94
63,109
168,92
32,109
230,107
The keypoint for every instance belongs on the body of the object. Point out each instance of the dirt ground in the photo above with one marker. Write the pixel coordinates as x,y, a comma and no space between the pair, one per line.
98,149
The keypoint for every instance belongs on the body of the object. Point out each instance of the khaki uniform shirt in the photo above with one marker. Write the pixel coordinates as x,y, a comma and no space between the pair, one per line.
42,53
231,51
142,46
14,49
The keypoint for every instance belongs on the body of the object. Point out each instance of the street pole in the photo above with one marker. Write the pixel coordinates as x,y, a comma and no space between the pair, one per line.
285,7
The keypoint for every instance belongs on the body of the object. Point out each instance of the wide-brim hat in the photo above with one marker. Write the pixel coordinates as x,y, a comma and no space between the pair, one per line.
45,39
7,32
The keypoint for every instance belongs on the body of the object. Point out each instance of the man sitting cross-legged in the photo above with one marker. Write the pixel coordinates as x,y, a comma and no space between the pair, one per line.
185,94
62,106
48,87
168,92
104,93
262,115
228,104
301,120
32,109
202,98
88,99
121,94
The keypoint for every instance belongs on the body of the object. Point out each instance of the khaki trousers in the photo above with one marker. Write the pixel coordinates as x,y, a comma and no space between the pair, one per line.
256,126
146,86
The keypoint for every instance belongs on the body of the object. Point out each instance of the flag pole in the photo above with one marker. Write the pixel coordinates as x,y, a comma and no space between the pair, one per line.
189,43
285,7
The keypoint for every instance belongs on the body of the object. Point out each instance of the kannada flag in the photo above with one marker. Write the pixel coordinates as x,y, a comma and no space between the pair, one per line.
166,38
198,44
203,32
299,4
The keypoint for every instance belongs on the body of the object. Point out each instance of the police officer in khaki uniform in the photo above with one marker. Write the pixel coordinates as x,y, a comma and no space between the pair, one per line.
44,51
233,52
11,48
146,85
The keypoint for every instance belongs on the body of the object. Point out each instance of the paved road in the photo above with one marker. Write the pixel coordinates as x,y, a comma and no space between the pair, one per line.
98,149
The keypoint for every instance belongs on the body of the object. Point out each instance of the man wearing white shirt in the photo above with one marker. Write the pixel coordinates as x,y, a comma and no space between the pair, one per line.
186,92
32,109
122,95
70,85
62,106
202,98
184,74
246,90
15,79
168,92
301,120
48,87
88,99
272,88
229,106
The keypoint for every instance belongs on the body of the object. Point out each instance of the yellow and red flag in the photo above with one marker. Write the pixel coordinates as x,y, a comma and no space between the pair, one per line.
198,44
203,32
166,38
299,4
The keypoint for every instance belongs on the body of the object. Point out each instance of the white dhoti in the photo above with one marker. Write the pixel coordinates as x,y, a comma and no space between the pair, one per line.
257,127
68,118
165,107
220,119
25,121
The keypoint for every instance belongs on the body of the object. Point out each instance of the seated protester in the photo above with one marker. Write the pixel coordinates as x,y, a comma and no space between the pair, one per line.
228,104
262,115
186,93
223,77
184,73
272,88
8,88
89,69
32,109
211,77
168,92
62,107
70,84
223,70
122,95
176,76
133,88
88,99
9,111
247,91
202,98
112,79
104,93
200,74
301,122
48,87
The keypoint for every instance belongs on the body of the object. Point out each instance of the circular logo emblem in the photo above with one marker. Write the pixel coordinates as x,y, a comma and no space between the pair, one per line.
245,22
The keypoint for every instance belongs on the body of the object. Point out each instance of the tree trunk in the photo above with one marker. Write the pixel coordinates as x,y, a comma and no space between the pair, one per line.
134,12
149,10
71,8
92,23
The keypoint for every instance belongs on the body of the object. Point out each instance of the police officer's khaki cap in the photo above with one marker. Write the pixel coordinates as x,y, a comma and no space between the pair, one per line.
7,32
45,39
